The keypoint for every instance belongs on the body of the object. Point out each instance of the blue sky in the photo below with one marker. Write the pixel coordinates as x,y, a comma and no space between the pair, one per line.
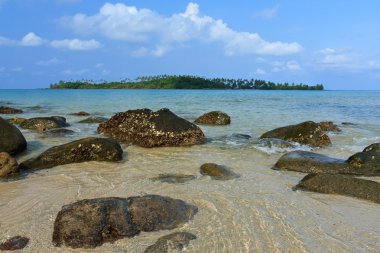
336,43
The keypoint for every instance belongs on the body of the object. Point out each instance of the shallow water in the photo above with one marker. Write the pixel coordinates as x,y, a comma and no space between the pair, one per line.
258,212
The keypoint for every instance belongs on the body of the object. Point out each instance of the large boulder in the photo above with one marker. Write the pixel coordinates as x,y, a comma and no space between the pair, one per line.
214,118
152,129
342,185
8,165
307,133
44,123
11,139
9,110
92,222
175,241
366,163
218,172
83,150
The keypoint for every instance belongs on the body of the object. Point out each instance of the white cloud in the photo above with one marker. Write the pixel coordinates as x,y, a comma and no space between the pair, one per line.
75,72
31,39
75,44
268,13
7,42
260,71
17,69
150,29
47,62
280,66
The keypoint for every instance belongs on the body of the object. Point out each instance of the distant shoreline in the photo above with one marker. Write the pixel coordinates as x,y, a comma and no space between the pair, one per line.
166,82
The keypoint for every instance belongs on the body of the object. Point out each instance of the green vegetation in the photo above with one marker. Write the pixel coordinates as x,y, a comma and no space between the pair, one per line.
183,82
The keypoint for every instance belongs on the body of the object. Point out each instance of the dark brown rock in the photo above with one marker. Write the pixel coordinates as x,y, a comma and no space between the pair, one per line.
8,165
93,120
44,123
58,132
83,150
214,118
14,243
342,185
81,113
329,126
307,133
174,178
175,241
11,139
152,129
218,172
9,110
366,163
92,222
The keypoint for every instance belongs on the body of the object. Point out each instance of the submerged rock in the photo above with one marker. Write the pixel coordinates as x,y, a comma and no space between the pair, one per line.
152,129
11,139
175,241
92,222
329,126
342,185
9,110
174,178
81,113
16,120
218,172
44,123
8,165
366,163
92,120
58,132
83,150
14,243
307,133
214,118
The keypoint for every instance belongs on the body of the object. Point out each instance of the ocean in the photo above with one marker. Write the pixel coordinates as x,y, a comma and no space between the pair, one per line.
258,212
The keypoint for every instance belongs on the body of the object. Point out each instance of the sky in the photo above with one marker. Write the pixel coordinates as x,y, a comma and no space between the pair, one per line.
335,43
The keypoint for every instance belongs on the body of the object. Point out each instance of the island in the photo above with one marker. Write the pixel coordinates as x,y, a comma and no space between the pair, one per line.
183,82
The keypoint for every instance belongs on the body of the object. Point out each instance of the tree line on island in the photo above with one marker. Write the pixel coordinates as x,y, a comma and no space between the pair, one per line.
183,82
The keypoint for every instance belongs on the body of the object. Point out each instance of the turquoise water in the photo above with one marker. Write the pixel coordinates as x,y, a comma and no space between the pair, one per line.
259,212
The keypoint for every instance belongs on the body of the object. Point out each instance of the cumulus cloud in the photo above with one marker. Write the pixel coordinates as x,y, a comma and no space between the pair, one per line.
75,44
260,71
268,13
147,28
292,65
31,39
75,72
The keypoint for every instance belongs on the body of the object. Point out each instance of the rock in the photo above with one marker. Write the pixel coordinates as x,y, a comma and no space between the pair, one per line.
369,158
241,136
44,123
214,118
329,126
92,120
8,165
92,222
342,185
175,241
11,139
83,150
16,120
152,129
174,178
9,110
276,143
218,172
307,133
309,162
81,113
348,124
14,243
366,163
58,132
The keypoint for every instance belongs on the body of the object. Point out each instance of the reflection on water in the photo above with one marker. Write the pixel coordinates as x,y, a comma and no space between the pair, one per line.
258,212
